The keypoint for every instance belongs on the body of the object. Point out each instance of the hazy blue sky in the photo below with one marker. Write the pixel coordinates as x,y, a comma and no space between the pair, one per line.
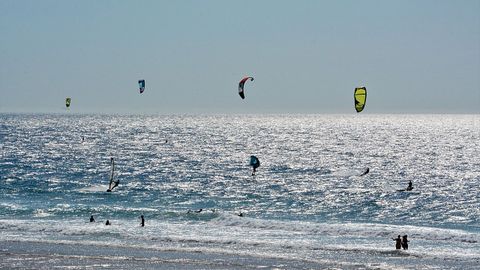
306,56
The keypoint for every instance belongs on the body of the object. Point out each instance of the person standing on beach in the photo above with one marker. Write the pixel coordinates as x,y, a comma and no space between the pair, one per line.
142,223
398,242
405,242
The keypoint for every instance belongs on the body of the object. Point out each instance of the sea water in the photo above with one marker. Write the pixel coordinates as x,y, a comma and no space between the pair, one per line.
306,203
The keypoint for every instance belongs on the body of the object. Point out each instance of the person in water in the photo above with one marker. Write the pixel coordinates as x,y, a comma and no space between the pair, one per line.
367,171
108,223
398,242
404,242
410,186
142,223
92,219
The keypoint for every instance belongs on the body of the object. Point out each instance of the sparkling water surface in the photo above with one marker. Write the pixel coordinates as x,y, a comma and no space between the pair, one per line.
307,201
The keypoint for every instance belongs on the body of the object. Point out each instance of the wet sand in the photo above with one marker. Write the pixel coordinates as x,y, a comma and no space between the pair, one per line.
36,255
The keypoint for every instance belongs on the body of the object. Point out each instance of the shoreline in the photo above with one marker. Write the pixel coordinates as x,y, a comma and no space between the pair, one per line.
44,255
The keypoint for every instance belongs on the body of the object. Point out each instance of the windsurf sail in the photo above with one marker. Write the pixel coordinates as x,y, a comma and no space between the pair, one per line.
241,85
254,162
113,183
141,85
67,102
360,97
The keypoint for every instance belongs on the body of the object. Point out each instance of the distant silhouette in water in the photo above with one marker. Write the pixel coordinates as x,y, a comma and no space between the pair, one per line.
405,242
365,172
92,219
240,214
108,223
142,223
398,242
410,186
255,163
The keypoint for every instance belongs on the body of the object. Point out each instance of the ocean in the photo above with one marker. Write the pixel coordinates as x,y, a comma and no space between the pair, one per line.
307,207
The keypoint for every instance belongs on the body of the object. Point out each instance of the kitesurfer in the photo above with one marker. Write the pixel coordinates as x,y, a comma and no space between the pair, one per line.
404,242
367,171
92,219
255,163
142,223
398,242
410,186
108,223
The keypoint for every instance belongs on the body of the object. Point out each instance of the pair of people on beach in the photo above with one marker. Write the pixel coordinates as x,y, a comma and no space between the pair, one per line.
401,242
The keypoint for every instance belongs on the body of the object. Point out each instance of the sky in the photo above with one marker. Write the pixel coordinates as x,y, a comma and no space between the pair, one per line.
306,56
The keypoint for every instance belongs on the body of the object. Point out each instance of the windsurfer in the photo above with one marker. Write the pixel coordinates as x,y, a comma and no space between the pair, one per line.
113,184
